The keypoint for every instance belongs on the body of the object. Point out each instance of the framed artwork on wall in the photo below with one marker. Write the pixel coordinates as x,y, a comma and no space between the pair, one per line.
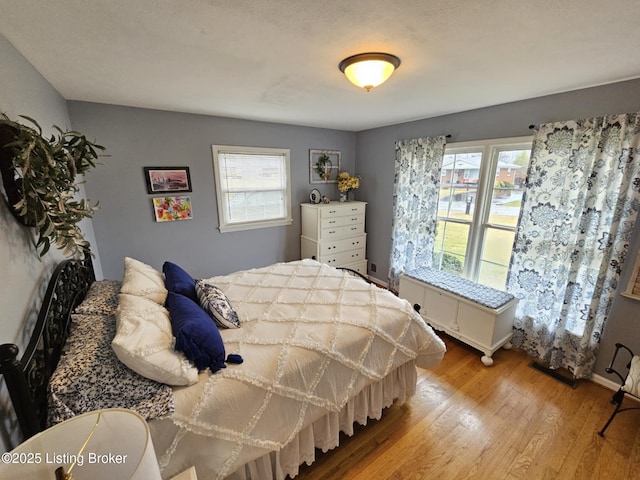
167,179
324,166
171,209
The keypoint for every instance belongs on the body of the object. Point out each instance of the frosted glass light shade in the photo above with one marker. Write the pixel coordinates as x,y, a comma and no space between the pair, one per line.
368,70
120,447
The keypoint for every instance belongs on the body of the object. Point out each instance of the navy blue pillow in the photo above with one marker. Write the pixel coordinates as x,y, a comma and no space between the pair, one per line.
196,334
178,281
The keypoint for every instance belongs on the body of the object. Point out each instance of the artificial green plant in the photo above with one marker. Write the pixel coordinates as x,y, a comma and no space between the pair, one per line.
39,179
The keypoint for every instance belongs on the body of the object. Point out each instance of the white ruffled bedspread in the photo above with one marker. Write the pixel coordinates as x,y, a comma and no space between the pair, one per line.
314,340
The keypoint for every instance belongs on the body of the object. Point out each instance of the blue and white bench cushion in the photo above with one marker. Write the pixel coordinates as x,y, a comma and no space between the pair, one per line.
482,294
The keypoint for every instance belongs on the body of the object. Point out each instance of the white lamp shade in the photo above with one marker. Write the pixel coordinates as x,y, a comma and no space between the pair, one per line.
369,73
368,70
120,447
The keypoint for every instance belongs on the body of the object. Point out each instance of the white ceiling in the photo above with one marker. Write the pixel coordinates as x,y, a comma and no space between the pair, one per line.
277,60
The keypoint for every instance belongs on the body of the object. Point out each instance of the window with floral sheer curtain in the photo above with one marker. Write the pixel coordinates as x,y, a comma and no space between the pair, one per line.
581,202
456,207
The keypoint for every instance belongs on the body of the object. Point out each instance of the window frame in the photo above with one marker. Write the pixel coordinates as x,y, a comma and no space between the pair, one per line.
223,224
479,224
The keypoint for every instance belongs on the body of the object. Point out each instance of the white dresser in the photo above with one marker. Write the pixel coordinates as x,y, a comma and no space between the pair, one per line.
333,233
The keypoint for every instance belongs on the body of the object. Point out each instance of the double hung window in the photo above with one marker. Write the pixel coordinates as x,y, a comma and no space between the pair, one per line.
253,187
479,206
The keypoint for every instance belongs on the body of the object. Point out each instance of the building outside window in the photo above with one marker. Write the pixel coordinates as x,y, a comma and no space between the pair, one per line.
479,206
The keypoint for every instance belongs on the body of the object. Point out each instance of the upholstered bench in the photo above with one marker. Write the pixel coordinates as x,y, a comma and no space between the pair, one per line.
476,314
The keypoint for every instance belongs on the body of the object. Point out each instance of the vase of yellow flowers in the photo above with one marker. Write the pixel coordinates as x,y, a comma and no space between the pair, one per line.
347,183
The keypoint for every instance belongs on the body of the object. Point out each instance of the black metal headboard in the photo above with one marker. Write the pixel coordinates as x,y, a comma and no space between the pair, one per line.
27,378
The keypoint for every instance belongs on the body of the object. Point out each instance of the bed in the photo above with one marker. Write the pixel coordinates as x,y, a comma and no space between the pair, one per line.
307,350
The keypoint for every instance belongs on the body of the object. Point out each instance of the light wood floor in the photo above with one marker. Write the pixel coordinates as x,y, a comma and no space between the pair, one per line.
508,421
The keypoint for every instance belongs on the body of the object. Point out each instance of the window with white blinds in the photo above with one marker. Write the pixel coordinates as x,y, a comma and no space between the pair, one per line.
252,187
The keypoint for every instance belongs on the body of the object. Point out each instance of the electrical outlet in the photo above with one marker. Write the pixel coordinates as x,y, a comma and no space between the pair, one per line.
373,268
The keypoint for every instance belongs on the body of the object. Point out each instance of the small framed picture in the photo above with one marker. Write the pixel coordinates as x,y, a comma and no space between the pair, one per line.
170,209
167,179
324,166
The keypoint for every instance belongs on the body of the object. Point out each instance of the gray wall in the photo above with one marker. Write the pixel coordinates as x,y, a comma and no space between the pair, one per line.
136,138
375,162
23,91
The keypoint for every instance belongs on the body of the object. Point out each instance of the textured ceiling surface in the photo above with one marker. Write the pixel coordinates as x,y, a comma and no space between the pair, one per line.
277,60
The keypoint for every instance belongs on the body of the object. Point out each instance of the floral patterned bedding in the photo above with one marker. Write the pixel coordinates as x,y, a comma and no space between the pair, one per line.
90,377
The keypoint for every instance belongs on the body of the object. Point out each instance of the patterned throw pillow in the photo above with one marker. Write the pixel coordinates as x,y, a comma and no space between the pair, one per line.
216,304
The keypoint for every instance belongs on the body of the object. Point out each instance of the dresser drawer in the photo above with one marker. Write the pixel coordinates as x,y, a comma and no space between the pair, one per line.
339,246
330,248
342,210
341,232
344,257
359,266
351,219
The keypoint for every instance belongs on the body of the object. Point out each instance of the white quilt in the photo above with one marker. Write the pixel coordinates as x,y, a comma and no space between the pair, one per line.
311,338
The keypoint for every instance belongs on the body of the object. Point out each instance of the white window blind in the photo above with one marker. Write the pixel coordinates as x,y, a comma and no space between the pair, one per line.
252,186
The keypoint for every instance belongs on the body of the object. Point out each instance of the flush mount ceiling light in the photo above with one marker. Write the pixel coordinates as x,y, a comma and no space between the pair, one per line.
368,70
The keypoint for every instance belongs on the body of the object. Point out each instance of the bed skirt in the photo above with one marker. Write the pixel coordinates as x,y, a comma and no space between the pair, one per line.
325,432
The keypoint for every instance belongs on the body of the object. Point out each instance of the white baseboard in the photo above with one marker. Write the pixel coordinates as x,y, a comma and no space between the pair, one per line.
605,382
378,282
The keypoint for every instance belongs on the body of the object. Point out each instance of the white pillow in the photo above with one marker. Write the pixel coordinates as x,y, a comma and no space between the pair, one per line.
632,383
143,280
144,342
